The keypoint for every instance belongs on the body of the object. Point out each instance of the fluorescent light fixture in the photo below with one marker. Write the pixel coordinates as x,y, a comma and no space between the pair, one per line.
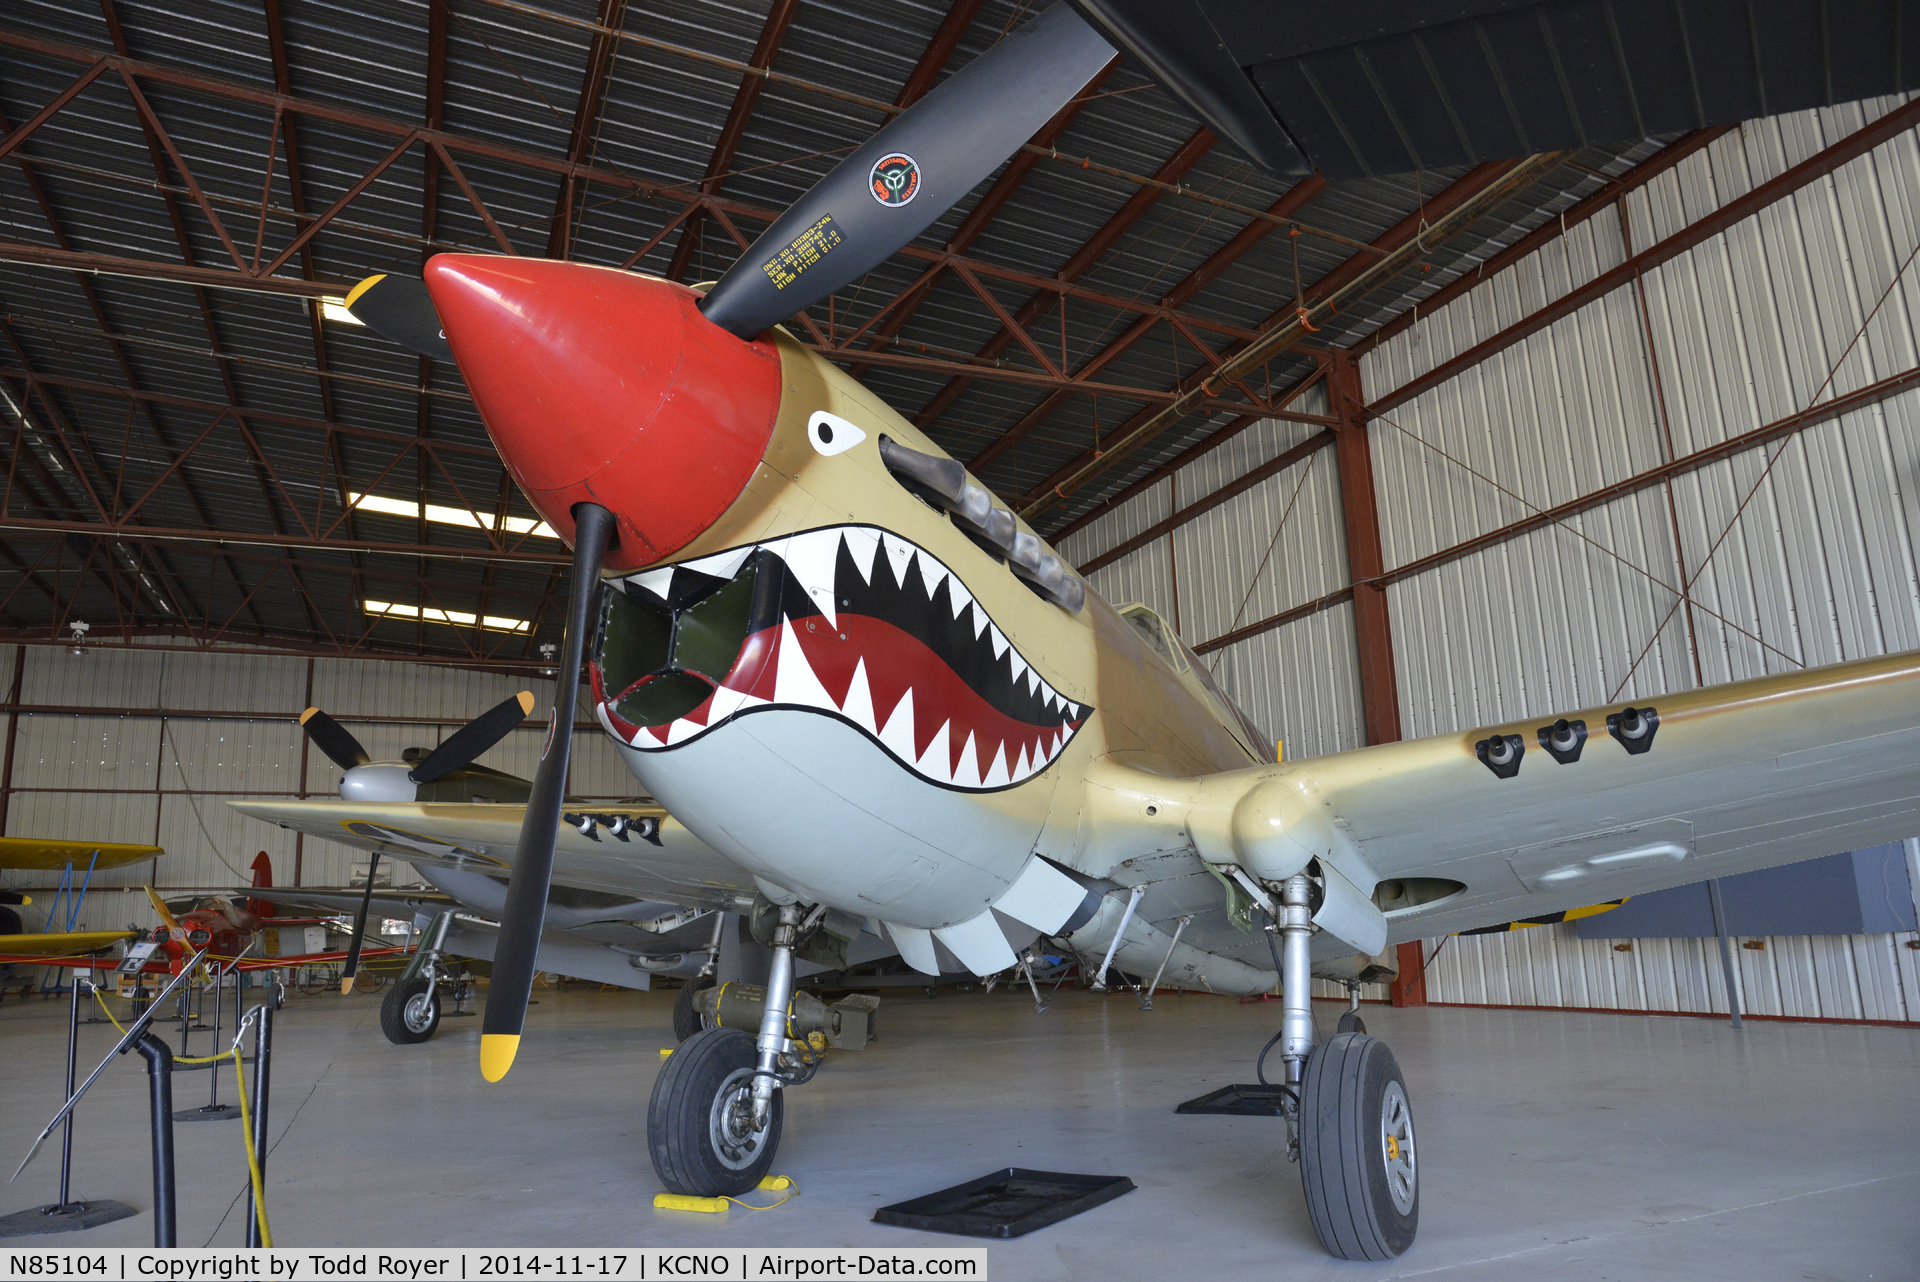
335,309
458,618
449,515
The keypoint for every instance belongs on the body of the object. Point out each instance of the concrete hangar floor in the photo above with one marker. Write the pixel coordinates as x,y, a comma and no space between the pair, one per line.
1553,1145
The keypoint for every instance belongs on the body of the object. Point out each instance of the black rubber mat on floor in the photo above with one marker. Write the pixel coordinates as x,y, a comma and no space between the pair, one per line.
1240,1101
1005,1204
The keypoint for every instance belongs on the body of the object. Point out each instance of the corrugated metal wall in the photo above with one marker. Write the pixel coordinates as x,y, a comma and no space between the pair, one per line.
1793,554
156,752
1276,546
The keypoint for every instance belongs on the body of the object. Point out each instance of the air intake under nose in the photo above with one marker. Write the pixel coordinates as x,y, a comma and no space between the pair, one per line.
605,386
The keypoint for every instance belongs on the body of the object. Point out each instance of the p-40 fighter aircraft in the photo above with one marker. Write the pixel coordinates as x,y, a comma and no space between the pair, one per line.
794,604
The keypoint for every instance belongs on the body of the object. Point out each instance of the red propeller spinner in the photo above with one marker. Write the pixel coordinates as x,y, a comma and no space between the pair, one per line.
609,387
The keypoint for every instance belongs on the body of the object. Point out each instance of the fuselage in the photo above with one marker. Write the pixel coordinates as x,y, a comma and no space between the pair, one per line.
845,690
834,657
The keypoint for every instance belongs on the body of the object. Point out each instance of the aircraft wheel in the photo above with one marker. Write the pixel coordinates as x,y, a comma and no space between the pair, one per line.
1350,1022
410,1012
700,1122
1357,1156
9,921
686,1020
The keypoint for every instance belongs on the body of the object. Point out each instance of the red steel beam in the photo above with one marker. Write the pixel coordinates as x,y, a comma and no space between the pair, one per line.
1198,279
586,115
1810,170
1861,398
1373,631
1458,192
1175,167
733,129
1271,468
938,53
1581,210
1206,445
134,532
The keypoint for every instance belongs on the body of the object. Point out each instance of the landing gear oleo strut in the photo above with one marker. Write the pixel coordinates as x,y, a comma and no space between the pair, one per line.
714,1122
1348,1123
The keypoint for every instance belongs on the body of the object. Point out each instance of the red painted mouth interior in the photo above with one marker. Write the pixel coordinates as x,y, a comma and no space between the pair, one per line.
896,661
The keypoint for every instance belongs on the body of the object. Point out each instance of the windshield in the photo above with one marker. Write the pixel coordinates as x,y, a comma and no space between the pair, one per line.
1155,631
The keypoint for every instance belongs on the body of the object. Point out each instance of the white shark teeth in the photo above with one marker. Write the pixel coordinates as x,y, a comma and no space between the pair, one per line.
812,558
721,565
794,681
897,734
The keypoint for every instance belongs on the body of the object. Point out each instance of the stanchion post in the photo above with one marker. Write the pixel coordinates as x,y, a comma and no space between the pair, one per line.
73,1050
159,1057
213,1086
262,1049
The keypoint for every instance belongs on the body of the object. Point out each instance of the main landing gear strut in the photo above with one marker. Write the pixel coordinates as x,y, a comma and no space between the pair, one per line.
410,1012
1348,1123
714,1123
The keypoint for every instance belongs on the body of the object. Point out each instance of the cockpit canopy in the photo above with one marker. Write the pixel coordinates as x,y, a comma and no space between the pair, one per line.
1187,666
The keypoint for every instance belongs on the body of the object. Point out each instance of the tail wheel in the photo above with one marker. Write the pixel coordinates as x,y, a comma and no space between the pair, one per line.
700,1122
1357,1157
410,1012
686,1020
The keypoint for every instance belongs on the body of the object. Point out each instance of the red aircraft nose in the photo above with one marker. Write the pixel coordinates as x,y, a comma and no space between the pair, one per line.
603,386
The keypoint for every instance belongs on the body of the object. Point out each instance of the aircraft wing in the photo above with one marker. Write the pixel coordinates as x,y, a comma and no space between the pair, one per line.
333,901
634,850
1727,779
47,854
72,943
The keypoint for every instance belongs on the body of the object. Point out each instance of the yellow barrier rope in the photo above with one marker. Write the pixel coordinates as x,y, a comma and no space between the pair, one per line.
253,1160
246,1122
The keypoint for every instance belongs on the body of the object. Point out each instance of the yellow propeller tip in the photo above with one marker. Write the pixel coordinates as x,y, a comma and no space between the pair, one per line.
354,294
496,1054
346,985
307,715
526,701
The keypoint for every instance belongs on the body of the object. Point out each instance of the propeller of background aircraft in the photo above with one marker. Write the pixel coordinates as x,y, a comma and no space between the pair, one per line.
461,748
458,749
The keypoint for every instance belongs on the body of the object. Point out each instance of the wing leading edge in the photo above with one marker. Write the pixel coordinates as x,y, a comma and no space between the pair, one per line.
634,850
1534,817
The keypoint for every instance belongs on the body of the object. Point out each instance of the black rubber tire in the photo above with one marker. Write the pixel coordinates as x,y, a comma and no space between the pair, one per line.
686,1020
1343,1149
9,921
680,1116
393,1013
1350,1022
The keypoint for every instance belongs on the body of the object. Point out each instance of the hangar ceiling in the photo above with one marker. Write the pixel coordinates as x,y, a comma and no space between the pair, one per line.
199,451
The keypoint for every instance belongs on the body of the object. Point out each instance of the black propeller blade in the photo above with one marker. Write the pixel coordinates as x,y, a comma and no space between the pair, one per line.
333,739
526,908
359,927
469,741
910,173
399,308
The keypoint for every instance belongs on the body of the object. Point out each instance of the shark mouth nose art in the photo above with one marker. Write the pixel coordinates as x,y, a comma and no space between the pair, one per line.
849,622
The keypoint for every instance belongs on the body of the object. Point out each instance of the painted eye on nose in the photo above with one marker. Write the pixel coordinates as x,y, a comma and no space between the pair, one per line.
832,435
